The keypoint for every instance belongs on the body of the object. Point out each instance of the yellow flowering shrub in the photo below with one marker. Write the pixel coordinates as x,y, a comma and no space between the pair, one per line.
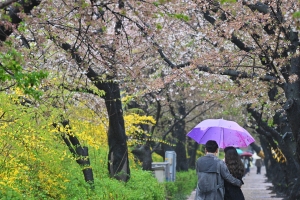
33,156
36,163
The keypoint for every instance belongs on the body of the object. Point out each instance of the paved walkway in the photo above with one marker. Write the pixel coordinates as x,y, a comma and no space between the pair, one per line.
255,187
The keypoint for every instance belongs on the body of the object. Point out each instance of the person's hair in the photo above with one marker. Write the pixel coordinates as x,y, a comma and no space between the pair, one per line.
233,162
211,146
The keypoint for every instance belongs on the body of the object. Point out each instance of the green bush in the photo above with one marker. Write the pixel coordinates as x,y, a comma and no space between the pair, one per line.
142,185
183,186
171,190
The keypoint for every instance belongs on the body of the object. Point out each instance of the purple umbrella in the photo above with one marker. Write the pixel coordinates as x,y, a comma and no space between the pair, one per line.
225,133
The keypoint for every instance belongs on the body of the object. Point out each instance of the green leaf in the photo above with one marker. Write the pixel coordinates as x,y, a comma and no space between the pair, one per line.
159,26
296,14
180,16
22,27
227,1
156,3
11,70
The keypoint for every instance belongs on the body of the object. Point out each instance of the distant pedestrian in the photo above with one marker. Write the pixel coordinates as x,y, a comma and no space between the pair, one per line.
258,164
246,163
212,172
236,169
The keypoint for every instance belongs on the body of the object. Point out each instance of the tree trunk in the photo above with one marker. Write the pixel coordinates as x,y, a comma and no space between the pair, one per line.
192,151
280,140
81,153
118,163
180,135
292,105
144,154
292,108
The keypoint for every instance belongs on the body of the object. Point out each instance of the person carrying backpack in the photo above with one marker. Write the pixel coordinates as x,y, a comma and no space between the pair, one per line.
212,172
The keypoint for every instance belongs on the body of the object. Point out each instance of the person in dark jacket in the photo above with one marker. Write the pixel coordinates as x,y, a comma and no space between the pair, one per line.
236,169
258,164
211,173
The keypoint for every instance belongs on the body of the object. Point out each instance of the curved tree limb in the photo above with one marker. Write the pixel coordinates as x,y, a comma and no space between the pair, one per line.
6,3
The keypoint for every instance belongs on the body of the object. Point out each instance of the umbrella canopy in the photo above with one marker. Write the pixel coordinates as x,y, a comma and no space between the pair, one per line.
239,151
225,133
246,154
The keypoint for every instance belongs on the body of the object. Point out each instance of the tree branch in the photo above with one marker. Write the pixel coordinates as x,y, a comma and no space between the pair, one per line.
27,6
6,3
239,74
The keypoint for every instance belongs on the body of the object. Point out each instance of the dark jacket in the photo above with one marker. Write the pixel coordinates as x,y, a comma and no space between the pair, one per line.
211,173
258,162
233,192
